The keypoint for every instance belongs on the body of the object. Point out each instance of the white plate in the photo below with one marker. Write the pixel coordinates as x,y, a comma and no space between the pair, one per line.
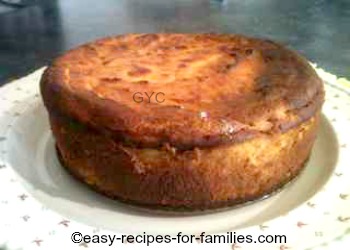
312,210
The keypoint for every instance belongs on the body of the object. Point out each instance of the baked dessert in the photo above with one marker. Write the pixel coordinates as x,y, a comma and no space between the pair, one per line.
193,121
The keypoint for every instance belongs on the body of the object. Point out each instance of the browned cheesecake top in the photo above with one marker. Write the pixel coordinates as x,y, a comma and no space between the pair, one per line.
208,89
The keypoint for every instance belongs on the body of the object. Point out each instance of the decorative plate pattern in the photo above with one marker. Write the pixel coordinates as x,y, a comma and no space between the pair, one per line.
322,222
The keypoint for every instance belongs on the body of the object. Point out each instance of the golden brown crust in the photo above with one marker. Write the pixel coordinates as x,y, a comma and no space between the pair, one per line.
218,89
193,179
238,119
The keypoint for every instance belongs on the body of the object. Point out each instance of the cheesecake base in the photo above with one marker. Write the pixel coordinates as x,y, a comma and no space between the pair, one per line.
198,179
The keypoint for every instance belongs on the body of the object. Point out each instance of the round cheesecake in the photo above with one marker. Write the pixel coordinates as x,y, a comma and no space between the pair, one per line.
193,121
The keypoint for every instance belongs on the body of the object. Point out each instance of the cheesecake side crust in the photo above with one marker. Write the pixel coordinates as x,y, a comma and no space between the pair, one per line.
195,179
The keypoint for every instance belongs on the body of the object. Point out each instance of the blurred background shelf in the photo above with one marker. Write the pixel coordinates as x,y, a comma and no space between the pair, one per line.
32,36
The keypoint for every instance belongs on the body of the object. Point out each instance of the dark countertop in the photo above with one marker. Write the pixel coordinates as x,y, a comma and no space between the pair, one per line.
31,37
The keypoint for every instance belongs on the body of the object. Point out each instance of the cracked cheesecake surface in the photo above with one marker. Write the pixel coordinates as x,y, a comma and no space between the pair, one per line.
215,89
